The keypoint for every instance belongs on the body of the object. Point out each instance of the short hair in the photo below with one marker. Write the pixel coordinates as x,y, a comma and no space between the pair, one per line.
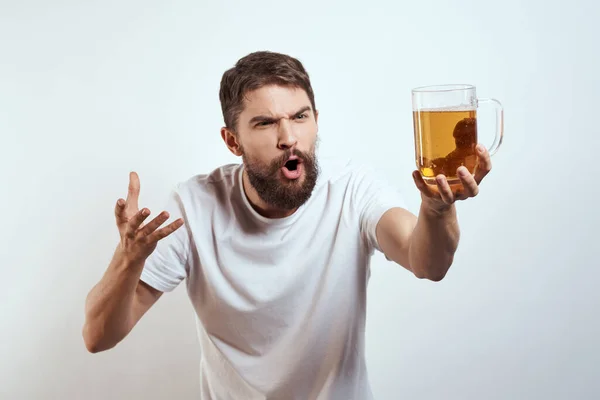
254,71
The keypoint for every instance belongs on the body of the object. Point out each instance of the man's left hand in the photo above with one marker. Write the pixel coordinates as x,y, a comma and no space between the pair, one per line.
444,197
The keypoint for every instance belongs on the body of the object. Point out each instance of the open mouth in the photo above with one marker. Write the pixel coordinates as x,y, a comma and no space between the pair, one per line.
292,169
291,165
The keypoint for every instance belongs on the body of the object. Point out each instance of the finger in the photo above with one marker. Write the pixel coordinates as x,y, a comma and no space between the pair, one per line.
484,163
154,224
135,222
444,189
166,231
421,185
120,212
470,188
133,192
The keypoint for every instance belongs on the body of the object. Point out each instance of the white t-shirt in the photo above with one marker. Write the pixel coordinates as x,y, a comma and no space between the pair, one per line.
280,303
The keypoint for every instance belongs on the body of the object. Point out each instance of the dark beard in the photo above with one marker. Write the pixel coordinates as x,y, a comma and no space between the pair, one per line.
277,192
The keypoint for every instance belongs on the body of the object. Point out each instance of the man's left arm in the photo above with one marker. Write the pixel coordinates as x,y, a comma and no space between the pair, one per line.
426,244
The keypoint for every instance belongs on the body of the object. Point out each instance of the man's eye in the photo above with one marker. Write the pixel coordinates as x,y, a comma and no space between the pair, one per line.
264,123
301,116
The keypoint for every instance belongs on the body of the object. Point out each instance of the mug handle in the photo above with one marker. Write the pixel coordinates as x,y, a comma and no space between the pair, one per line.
499,124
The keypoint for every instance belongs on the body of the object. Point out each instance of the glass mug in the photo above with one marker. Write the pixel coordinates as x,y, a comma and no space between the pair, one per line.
445,129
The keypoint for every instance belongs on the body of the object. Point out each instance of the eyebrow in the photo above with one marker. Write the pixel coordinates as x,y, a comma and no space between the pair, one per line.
264,118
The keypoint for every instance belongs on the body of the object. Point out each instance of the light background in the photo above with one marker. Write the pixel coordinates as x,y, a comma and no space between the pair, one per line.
90,90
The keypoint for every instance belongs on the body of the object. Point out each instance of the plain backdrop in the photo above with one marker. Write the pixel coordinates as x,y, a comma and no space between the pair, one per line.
90,90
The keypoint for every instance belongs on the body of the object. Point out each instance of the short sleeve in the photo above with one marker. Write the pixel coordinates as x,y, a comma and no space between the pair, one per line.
167,265
373,196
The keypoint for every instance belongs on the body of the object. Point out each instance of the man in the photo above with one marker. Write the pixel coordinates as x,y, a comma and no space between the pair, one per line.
276,250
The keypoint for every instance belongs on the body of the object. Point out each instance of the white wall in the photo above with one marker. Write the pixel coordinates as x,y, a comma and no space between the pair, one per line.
91,90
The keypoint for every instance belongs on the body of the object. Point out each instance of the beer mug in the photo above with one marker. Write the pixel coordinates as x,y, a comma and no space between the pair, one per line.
445,129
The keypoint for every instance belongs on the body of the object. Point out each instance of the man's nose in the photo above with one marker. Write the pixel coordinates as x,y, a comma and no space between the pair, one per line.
287,137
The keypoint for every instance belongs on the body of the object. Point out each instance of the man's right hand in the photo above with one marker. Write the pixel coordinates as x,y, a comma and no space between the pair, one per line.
138,242
118,301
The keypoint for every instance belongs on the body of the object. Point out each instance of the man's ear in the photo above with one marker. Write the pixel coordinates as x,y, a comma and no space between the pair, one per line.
317,116
231,141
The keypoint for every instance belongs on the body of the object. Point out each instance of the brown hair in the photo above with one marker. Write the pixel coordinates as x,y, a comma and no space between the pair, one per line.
254,71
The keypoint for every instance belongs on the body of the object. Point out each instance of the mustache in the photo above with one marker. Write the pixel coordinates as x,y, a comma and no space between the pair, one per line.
278,162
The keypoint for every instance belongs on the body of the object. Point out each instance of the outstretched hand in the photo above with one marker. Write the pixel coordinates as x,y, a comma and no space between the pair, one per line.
138,242
444,196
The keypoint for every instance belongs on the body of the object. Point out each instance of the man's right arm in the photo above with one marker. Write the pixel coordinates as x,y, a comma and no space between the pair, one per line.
116,304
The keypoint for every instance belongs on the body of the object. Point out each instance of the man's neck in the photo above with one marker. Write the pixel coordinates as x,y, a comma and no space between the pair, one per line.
258,204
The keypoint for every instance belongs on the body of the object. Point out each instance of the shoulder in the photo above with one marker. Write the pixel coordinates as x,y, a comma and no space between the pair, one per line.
218,181
341,171
362,182
347,173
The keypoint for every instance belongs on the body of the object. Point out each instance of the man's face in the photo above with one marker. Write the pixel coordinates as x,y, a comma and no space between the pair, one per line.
277,134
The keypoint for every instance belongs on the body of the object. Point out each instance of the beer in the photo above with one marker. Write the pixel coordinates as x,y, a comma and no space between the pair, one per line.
445,139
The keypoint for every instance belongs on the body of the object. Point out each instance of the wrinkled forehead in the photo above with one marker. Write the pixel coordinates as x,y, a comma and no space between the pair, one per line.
274,100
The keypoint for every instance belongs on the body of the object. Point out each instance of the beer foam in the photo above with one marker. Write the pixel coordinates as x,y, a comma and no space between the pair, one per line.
464,107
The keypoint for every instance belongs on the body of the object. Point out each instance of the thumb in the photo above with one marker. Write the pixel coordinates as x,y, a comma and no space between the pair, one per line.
120,212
